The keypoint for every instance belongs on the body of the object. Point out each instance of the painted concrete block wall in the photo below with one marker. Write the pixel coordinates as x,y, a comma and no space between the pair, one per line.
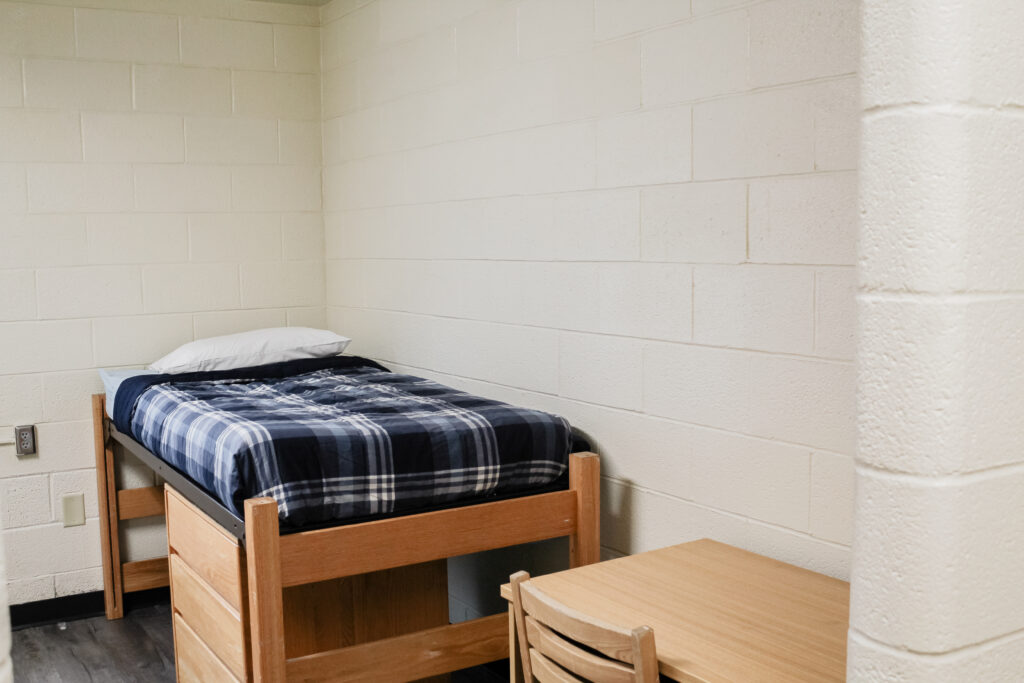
936,589
639,215
159,181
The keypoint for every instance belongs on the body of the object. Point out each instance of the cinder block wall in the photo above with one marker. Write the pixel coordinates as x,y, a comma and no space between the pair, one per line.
541,201
159,181
641,215
937,594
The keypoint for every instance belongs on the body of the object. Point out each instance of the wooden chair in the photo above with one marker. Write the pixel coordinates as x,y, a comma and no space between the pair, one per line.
561,645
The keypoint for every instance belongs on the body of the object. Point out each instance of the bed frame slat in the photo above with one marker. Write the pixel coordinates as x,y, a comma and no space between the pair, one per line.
145,574
143,502
399,541
424,653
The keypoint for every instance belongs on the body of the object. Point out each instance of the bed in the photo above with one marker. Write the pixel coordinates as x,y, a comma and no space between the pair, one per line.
267,585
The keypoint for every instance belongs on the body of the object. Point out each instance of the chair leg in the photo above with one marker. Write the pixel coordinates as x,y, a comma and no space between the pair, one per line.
517,626
515,664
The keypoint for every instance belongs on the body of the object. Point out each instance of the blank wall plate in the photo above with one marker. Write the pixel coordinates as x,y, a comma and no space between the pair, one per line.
73,506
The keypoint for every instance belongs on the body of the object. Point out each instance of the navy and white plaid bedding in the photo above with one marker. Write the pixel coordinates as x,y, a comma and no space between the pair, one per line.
339,438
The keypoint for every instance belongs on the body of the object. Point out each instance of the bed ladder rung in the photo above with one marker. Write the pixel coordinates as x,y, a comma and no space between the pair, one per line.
141,502
145,574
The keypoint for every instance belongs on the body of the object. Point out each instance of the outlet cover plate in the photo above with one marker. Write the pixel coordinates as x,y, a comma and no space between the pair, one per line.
25,439
73,506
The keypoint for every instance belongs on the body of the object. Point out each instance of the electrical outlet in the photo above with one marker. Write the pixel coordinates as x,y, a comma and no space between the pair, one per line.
73,506
25,439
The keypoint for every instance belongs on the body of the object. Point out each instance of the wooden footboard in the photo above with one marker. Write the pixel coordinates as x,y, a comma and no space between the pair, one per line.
315,556
351,603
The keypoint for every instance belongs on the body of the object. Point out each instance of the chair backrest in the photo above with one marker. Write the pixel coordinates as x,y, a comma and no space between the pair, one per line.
562,645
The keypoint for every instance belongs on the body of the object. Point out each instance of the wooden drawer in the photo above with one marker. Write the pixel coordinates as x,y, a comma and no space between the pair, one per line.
195,662
207,549
214,621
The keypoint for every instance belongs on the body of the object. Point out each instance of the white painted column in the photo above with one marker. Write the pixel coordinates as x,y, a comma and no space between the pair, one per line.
6,674
938,569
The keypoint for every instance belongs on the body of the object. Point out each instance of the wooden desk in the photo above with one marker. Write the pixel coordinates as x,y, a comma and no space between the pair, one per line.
718,613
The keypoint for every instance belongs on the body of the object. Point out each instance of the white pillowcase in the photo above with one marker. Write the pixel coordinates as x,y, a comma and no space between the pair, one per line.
258,347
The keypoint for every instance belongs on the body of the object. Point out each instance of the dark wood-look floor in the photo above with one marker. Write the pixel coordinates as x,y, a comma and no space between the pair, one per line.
138,648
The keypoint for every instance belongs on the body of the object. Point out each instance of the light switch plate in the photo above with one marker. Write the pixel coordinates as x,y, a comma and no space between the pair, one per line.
73,506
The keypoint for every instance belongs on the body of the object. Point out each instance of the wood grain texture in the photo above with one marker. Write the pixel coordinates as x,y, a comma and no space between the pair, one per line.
394,602
196,662
585,481
266,610
719,613
210,551
645,657
518,618
424,653
142,502
167,494
546,672
611,640
145,574
397,601
106,489
384,544
549,632
213,620
318,617
549,646
515,654
329,615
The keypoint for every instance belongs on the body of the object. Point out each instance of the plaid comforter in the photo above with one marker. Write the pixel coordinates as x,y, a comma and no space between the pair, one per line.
346,440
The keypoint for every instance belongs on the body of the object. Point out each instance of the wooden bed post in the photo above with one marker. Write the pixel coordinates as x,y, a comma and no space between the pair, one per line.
584,542
106,495
266,590
585,481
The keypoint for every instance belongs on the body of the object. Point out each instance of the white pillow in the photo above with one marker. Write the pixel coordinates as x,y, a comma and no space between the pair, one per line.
258,347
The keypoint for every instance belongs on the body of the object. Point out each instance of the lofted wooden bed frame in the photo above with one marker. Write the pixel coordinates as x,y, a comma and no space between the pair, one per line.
364,601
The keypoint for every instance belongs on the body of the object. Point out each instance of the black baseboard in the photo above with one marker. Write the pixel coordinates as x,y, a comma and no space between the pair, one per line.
80,606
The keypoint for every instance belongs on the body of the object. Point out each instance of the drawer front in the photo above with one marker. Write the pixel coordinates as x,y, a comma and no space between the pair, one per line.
195,663
213,620
207,549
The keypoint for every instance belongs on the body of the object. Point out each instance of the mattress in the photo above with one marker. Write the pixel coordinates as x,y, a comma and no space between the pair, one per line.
112,379
338,438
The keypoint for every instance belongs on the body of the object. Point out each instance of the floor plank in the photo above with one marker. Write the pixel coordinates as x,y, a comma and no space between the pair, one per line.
138,648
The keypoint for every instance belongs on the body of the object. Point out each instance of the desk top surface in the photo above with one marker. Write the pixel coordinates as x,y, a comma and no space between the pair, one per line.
718,613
